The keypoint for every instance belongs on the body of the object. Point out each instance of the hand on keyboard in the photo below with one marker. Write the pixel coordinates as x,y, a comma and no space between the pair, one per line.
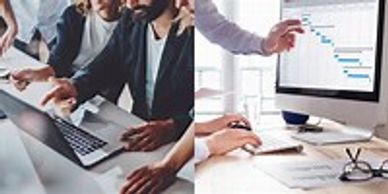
271,144
228,139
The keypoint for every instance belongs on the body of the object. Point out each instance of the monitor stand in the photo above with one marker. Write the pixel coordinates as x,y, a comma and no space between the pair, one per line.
346,134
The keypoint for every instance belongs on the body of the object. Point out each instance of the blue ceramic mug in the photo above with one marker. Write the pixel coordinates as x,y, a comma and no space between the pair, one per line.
293,118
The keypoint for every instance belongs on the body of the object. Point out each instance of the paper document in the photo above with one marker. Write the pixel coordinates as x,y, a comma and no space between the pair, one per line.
4,74
93,106
309,174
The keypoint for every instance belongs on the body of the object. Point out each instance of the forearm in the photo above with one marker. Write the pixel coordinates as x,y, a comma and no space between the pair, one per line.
43,74
217,29
97,76
182,151
85,87
8,15
202,128
182,123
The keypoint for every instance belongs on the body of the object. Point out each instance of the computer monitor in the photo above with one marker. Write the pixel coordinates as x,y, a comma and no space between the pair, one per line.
337,68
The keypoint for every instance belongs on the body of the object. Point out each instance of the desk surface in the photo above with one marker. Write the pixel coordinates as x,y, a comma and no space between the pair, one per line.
238,172
48,171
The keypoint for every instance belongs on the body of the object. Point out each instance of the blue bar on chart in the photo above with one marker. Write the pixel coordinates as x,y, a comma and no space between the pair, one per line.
359,76
348,60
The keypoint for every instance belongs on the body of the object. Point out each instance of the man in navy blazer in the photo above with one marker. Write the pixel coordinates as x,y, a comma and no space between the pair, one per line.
149,52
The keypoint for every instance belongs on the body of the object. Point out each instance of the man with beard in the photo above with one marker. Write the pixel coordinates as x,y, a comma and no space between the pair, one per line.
146,52
220,137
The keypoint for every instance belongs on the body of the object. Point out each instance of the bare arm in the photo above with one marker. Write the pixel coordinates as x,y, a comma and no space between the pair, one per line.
8,37
182,151
22,78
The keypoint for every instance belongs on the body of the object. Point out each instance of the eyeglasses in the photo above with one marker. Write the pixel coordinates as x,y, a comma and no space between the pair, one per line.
359,170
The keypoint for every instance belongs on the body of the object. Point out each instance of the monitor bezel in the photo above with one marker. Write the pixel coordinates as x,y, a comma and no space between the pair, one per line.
344,94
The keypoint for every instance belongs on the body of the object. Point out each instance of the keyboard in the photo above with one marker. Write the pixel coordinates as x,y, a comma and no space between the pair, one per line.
271,144
80,141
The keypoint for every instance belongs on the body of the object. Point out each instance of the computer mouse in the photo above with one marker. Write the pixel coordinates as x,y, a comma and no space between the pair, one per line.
236,125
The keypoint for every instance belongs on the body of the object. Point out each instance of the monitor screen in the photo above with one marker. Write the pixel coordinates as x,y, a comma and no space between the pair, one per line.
339,55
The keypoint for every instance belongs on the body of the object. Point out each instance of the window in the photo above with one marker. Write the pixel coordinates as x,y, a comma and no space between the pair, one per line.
251,78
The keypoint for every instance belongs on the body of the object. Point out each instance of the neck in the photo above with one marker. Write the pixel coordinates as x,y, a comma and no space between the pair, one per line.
162,24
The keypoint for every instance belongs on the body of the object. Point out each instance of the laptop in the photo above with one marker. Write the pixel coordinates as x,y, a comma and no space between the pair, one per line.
85,147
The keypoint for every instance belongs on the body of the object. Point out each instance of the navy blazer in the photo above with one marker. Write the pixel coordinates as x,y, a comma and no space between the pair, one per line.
124,60
70,30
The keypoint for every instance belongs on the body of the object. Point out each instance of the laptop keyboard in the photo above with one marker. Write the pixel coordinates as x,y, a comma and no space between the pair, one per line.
81,141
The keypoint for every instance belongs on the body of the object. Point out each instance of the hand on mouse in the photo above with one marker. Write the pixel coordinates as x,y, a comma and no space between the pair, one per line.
218,124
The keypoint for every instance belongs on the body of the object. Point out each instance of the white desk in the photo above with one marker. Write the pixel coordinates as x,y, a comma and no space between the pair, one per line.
31,166
238,172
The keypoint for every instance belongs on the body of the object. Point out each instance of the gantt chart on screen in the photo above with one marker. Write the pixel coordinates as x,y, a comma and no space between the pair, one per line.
337,50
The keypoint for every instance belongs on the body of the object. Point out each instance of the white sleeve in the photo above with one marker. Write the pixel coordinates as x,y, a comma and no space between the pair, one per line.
201,151
217,29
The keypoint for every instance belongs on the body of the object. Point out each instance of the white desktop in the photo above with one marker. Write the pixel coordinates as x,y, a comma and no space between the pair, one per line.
337,69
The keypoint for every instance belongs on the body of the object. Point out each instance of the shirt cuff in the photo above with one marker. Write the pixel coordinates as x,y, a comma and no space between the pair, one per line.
201,151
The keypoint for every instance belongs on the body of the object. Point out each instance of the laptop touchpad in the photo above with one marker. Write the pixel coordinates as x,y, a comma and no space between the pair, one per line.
101,127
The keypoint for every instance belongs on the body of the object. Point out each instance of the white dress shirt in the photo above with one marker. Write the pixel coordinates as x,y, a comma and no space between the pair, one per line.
201,151
217,29
42,15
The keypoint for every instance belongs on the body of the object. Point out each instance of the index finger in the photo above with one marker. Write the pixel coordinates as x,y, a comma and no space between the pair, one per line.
178,3
48,97
291,22
245,121
296,29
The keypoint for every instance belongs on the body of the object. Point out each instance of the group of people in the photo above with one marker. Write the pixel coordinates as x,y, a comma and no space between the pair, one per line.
96,47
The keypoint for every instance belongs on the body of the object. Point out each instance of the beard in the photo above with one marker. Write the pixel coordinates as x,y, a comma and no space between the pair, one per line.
150,12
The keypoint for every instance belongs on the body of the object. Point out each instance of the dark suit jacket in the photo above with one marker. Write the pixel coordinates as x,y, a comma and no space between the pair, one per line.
124,60
70,30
